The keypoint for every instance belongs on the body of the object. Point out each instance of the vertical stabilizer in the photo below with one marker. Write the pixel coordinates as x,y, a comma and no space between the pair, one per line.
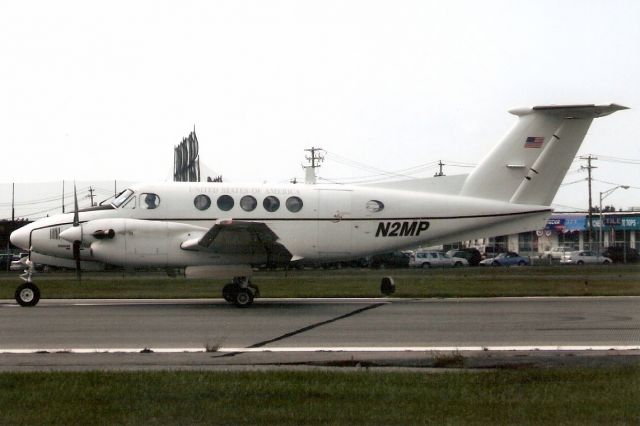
528,166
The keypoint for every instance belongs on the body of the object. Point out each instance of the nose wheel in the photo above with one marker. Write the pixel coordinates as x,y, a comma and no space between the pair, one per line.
240,292
27,294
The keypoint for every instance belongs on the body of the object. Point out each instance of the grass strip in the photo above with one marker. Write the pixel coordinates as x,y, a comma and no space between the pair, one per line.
535,396
463,282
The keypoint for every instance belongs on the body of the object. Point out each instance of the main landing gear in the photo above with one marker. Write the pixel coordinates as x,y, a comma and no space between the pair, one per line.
240,292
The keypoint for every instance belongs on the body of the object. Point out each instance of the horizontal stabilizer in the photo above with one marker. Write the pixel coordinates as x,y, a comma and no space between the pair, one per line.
578,111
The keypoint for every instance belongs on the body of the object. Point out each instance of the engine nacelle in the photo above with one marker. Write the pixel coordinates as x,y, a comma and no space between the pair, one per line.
133,242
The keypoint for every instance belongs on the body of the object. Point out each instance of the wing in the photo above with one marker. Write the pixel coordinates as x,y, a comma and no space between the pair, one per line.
240,237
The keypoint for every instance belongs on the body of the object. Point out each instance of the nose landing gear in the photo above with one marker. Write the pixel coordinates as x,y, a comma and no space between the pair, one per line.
240,292
27,294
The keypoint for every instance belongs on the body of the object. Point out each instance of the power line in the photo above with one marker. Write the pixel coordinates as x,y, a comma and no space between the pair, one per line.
613,183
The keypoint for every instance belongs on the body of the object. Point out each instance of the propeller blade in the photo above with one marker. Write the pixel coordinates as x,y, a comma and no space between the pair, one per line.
76,218
76,257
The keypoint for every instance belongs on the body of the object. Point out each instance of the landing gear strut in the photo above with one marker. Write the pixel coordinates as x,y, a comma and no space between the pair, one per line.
240,292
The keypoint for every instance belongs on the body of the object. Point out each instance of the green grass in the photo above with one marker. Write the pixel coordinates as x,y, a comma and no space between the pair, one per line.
555,396
463,282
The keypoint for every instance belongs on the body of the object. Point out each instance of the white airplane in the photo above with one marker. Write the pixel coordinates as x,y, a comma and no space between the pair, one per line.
221,230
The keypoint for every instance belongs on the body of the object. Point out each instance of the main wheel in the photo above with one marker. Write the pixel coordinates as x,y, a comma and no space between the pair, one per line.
580,262
27,294
495,263
426,265
522,263
244,298
229,292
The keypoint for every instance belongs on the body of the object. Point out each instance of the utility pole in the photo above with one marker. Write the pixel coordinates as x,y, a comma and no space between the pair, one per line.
91,190
315,159
440,173
589,158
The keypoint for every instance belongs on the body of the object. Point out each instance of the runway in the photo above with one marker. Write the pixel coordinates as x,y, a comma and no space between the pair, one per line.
293,329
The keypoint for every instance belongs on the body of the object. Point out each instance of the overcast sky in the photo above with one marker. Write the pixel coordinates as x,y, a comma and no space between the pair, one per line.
104,90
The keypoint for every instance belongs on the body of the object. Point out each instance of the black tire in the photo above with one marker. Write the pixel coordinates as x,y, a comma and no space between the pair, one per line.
244,298
387,286
522,263
255,291
457,264
580,262
606,262
426,265
27,294
229,292
495,263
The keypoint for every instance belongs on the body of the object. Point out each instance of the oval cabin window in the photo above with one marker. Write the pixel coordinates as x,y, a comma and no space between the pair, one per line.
294,204
202,202
225,202
271,203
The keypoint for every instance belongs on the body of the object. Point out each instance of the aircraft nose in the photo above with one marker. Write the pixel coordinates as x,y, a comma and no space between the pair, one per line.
20,238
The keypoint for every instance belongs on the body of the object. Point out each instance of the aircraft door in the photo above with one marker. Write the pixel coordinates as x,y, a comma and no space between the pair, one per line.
334,226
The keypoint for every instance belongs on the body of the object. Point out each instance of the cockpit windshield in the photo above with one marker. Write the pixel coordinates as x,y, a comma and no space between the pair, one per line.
122,197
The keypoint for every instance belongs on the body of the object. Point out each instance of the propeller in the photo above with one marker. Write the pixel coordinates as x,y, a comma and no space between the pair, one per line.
77,242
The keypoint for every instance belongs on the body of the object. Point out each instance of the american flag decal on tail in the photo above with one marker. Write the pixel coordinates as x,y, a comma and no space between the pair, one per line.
534,142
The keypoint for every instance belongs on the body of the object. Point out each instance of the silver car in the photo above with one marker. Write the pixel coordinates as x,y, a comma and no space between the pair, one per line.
428,259
584,257
557,253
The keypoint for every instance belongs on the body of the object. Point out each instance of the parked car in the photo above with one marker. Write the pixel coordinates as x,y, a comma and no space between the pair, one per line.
492,251
394,259
472,255
17,264
617,254
428,259
557,252
583,257
509,258
5,261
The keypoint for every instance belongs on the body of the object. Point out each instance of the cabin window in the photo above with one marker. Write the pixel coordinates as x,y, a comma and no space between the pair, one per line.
271,203
294,204
225,202
122,197
202,202
149,201
248,203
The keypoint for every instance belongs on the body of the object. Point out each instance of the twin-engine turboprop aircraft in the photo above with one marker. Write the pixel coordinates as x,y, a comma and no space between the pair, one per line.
215,229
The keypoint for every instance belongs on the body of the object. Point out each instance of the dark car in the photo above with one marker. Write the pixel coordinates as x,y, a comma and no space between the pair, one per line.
509,258
395,259
617,254
472,255
5,261
492,251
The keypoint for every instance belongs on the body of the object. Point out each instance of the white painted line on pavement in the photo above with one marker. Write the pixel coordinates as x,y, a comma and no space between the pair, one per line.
550,348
